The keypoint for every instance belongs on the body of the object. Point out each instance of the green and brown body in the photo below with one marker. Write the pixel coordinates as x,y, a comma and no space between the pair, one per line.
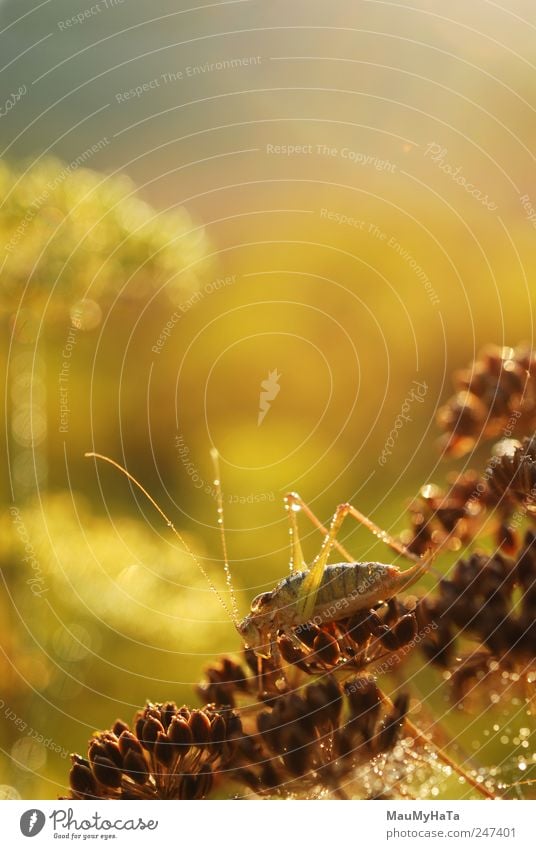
321,593
345,589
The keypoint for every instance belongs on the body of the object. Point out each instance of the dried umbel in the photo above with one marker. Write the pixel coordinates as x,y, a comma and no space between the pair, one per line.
496,501
346,645
512,474
303,743
327,735
485,617
444,518
326,740
172,753
315,739
496,394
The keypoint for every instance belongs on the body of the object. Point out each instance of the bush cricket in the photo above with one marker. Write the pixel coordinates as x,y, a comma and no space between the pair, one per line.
322,592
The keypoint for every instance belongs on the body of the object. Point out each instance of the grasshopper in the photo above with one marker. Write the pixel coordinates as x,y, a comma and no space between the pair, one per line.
322,593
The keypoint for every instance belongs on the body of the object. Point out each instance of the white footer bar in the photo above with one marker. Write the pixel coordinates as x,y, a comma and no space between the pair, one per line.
269,824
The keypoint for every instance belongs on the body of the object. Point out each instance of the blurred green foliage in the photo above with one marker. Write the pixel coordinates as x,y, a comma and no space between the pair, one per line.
96,615
70,233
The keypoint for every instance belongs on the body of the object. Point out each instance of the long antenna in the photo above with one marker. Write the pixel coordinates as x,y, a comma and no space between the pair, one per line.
170,525
217,483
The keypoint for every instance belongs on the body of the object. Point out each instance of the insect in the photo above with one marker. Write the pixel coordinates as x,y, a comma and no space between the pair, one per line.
322,593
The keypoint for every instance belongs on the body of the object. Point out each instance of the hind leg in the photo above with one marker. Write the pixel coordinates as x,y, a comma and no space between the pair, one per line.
348,510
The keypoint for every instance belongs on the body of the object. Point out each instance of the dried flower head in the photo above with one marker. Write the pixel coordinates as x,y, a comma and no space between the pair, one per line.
308,742
315,739
324,741
353,643
442,517
484,616
496,393
511,473
326,737
171,753
495,502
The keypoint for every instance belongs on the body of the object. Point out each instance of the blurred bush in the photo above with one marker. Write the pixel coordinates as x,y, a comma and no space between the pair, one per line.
95,618
70,233
76,244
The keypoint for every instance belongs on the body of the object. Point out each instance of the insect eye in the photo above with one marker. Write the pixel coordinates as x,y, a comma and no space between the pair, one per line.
260,602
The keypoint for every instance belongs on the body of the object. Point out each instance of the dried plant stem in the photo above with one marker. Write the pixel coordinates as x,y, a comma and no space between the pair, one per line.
518,783
423,738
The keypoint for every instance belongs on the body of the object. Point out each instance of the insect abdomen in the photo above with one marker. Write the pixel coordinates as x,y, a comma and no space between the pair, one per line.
345,588
347,581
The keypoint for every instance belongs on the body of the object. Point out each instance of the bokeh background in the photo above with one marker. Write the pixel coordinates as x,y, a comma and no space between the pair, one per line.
194,197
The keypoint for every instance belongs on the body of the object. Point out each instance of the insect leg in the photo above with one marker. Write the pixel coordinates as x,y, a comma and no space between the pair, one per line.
293,498
311,583
422,564
296,504
383,535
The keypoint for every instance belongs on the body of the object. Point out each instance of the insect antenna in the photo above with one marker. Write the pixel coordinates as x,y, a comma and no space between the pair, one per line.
219,494
170,525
